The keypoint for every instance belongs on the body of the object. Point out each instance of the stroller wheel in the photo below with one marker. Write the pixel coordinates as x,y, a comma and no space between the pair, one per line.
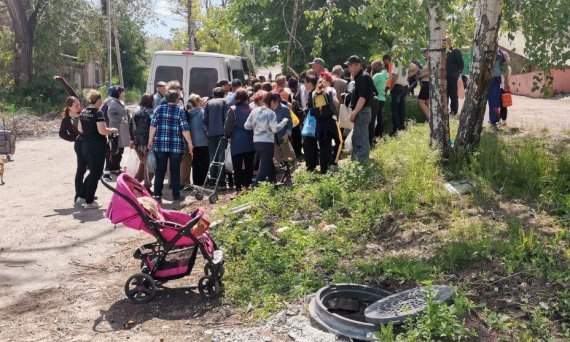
199,196
209,270
209,287
140,288
213,198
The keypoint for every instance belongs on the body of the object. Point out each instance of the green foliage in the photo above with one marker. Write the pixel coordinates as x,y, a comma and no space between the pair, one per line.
217,34
326,29
134,58
438,322
6,55
523,169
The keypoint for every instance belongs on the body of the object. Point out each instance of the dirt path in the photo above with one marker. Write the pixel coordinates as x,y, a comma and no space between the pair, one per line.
528,113
62,269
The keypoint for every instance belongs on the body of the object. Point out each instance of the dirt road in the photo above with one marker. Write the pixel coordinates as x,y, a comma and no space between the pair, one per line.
62,269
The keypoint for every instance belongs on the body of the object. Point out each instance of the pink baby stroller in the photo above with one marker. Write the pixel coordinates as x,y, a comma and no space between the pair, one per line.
179,236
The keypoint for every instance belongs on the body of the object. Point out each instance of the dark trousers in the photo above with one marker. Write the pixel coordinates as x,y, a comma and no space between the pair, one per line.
399,94
452,94
504,110
243,169
372,126
200,164
311,153
162,160
379,130
81,168
217,144
94,153
266,167
297,141
113,162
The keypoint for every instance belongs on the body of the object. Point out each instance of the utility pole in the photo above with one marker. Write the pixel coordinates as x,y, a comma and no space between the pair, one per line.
109,56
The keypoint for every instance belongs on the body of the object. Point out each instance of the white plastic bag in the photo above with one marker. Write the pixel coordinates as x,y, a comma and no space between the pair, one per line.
151,163
228,159
132,163
344,117
348,142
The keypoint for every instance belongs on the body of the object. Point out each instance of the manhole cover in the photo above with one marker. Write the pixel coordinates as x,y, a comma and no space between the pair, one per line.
399,306
340,309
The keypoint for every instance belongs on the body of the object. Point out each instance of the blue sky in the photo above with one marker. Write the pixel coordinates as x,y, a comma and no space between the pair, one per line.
166,19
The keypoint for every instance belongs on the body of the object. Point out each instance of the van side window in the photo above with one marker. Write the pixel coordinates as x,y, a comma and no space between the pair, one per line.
238,74
167,74
203,81
245,66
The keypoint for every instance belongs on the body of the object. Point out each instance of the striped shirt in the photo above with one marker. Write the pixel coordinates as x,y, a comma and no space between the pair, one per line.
170,121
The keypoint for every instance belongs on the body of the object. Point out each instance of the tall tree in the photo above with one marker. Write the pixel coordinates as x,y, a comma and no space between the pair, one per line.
439,116
24,26
485,47
191,26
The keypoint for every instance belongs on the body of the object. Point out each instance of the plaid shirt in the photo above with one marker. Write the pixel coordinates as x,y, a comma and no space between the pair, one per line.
170,121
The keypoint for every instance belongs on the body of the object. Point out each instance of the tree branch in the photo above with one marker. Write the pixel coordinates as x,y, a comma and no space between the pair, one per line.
40,7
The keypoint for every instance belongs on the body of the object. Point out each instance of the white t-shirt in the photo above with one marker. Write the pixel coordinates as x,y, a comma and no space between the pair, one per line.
402,79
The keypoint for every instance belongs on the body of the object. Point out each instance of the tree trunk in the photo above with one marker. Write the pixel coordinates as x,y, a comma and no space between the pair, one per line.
484,52
191,26
24,28
118,54
439,116
292,32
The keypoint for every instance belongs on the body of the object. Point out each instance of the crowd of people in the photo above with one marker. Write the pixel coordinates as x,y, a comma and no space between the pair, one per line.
259,125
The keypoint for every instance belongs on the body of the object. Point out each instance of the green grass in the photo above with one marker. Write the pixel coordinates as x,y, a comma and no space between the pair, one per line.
388,204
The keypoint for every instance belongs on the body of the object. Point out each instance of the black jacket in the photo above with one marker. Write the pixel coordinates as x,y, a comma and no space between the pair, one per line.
454,65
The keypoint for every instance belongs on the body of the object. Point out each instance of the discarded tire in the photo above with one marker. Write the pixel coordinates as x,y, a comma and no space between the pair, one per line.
340,309
399,306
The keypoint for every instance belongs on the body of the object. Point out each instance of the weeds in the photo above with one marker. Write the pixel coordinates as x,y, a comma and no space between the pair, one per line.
297,239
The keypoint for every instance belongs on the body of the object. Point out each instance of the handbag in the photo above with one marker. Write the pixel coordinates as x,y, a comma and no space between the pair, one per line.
228,165
344,117
151,162
294,119
507,99
309,125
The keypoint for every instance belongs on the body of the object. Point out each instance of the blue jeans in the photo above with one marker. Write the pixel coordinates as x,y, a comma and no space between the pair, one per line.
399,94
360,138
213,143
162,159
495,100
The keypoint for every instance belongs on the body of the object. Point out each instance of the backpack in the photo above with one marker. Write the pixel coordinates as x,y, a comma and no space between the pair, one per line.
324,99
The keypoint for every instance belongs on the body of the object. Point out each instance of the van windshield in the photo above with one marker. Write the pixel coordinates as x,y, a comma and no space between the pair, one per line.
203,81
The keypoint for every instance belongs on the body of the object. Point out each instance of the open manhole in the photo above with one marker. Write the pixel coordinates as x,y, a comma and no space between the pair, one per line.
398,307
340,309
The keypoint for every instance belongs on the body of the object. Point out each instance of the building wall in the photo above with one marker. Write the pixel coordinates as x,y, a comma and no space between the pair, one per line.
522,84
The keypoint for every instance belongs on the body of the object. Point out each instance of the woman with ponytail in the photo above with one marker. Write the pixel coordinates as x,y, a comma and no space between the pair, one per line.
69,131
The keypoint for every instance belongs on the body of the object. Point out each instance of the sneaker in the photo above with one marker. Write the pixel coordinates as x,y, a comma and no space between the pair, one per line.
79,201
92,205
107,178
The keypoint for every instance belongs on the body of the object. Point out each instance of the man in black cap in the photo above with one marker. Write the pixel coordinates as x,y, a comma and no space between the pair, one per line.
361,111
318,66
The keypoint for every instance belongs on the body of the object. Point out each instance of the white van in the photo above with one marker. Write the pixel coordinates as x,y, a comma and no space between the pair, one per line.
197,72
